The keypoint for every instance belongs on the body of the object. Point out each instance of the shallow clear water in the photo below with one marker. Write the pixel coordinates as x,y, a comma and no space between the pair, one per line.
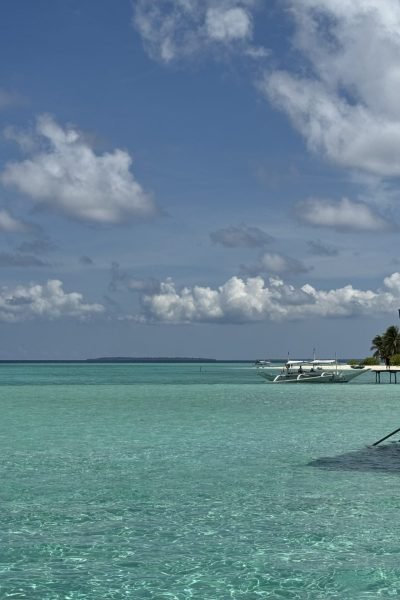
167,481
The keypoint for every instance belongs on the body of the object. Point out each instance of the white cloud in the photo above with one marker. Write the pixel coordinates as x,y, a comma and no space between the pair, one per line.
393,283
276,264
226,25
347,106
344,215
254,299
68,176
279,264
47,301
175,29
349,135
9,224
342,95
344,102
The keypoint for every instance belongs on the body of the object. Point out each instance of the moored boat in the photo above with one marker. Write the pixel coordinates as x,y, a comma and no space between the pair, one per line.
313,371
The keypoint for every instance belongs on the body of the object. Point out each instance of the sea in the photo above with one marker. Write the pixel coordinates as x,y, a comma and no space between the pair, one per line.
195,481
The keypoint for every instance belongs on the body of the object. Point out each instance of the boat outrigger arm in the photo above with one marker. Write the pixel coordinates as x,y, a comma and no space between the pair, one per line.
386,437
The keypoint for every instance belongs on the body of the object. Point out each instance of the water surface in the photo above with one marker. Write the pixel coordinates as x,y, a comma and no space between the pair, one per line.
195,481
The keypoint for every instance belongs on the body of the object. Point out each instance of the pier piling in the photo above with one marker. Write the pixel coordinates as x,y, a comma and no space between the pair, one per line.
392,374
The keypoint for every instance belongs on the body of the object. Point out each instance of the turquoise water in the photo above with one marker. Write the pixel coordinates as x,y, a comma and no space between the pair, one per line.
171,481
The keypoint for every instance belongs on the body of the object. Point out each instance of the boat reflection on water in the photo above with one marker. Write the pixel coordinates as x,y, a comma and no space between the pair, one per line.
313,371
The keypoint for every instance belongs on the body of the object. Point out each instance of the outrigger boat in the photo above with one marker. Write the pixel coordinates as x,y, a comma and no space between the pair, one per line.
313,371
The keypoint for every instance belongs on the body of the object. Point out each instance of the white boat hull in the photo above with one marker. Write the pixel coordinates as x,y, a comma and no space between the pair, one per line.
339,374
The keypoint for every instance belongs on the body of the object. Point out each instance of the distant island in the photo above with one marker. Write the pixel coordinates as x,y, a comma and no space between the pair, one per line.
151,359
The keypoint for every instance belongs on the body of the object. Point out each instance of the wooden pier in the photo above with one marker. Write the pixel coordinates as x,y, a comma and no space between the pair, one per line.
388,373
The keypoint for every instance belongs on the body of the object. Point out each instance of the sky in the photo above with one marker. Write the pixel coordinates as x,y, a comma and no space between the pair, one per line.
203,178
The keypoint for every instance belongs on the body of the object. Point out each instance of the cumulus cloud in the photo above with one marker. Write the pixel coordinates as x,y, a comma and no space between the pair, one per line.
254,299
346,107
241,236
277,264
67,175
9,224
344,215
48,301
174,29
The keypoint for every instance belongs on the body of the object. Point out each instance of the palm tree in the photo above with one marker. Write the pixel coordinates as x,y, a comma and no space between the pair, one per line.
391,341
378,346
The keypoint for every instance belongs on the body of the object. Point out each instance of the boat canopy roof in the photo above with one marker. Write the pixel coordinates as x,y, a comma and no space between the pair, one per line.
310,362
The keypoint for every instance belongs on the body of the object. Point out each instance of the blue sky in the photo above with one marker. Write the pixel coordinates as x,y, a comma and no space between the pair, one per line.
211,178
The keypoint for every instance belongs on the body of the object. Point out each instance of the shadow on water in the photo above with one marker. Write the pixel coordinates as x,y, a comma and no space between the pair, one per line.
379,458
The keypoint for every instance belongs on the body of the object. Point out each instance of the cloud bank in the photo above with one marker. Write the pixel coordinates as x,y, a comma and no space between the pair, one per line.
47,301
68,176
254,299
